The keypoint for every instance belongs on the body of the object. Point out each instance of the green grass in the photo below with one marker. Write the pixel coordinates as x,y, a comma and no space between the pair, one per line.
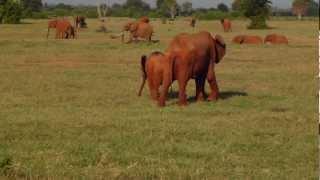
68,109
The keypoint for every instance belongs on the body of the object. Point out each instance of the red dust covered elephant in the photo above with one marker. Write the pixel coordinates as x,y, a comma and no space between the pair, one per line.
189,56
64,29
140,29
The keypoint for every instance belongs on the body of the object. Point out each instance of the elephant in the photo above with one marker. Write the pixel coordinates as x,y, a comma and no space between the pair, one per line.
138,30
62,27
247,39
152,68
276,39
189,56
193,22
226,24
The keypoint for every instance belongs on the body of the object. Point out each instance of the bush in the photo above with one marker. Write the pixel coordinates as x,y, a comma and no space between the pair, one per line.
258,22
10,12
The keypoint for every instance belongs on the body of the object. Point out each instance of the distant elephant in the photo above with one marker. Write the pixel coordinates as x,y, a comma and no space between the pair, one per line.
226,24
189,56
275,39
139,30
152,68
62,27
193,22
247,39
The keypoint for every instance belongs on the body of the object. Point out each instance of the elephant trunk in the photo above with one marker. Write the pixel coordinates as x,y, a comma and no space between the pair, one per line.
144,73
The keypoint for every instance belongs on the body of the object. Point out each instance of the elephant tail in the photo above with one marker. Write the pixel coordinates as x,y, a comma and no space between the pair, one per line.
144,73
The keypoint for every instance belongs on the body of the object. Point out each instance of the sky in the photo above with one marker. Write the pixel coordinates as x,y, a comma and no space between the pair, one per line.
196,3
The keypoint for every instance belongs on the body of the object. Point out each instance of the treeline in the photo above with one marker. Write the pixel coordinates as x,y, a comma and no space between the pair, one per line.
11,11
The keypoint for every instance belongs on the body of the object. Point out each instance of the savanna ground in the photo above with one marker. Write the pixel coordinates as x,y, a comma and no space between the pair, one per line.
69,109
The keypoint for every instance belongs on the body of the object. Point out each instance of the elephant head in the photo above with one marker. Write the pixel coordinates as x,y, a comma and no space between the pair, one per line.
131,26
220,48
51,24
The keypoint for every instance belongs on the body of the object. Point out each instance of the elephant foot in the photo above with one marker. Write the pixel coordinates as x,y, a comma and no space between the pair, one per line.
200,98
183,103
213,98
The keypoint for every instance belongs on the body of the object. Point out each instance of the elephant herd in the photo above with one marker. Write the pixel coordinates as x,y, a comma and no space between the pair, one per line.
188,56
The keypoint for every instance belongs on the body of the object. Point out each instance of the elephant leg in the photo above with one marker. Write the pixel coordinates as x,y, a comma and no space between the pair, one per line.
154,84
200,82
213,85
57,34
182,92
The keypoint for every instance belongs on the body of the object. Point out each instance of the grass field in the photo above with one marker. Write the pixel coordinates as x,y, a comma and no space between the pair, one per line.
69,110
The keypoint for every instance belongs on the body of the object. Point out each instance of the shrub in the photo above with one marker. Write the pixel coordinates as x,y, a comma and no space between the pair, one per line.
10,12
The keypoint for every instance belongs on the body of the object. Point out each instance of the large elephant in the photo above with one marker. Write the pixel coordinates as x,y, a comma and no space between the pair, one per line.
247,39
62,27
189,56
276,39
226,24
139,30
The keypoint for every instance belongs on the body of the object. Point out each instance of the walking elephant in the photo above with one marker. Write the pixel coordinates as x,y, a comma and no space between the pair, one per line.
189,56
152,68
138,30
226,24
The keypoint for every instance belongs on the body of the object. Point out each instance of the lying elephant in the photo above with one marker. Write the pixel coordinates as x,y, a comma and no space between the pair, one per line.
275,39
138,30
226,24
189,56
247,39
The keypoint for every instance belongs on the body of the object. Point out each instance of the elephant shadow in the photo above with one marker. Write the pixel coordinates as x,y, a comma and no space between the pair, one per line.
224,95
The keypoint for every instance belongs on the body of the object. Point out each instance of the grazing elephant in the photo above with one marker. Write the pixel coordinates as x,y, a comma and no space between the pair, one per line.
189,56
152,68
226,24
275,39
247,39
62,27
139,30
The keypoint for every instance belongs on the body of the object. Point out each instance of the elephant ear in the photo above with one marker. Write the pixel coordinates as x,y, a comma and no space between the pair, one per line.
220,48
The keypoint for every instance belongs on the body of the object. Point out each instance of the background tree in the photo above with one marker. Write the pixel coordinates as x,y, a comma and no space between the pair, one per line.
300,7
186,8
10,11
313,9
236,5
222,7
257,11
